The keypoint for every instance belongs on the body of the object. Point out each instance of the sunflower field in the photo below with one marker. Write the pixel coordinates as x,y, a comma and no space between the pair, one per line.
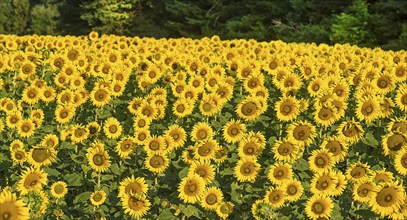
112,127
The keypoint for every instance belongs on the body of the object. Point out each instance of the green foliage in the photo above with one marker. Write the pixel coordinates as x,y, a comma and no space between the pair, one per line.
44,19
109,16
14,16
351,26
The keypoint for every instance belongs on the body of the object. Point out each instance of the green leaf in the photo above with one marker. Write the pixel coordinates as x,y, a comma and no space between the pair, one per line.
48,128
227,171
367,214
336,212
183,172
74,179
189,210
370,140
82,197
166,215
115,169
51,171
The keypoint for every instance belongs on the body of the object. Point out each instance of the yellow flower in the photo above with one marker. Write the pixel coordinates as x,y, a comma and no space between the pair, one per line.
39,156
26,128
191,188
401,97
204,169
302,132
32,179
11,207
319,206
178,134
134,205
368,109
400,162
98,158
324,183
59,189
248,109
201,132
363,190
132,186
275,197
321,161
233,131
97,198
285,150
112,128
224,209
64,114
100,96
387,198
156,163
125,147
247,169
155,145
279,173
350,131
287,108
211,198
31,95
336,146
182,108
293,189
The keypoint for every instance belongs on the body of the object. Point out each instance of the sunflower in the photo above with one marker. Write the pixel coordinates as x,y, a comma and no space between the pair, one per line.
340,184
363,190
201,131
336,146
32,179
79,134
275,197
207,106
285,151
59,189
253,82
178,134
26,128
204,169
48,94
350,131
155,145
211,198
287,108
324,183
401,214
191,188
249,147
132,186
358,172
206,150
279,173
247,169
18,156
182,107
383,83
11,207
97,198
141,135
156,163
293,189
134,105
233,131
387,198
64,114
302,133
321,161
134,205
125,147
397,125
31,95
94,128
316,86
98,158
100,96
325,114
39,156
220,155
37,202
401,97
112,128
248,109
368,109
319,206
400,162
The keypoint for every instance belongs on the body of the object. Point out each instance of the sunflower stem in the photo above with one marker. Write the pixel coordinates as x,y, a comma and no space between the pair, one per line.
99,180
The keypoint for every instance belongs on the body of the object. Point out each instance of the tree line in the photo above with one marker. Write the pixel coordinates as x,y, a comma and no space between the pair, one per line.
367,23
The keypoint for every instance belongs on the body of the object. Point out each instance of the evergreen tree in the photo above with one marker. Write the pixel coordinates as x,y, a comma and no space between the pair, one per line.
44,19
108,16
14,15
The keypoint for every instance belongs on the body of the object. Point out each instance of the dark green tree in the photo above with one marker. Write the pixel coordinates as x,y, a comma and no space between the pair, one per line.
14,15
109,16
44,19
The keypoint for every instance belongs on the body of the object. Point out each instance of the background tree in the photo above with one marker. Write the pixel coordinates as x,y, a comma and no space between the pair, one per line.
109,16
44,18
14,15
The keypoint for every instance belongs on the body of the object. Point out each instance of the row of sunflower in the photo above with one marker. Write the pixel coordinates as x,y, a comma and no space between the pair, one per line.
119,127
